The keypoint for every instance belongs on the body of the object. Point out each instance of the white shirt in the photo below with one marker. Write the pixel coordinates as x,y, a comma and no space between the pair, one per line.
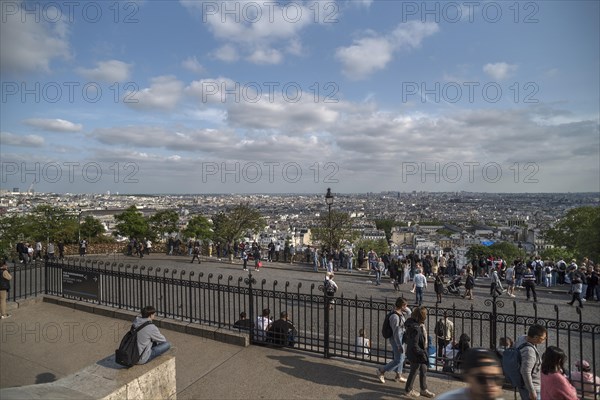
362,345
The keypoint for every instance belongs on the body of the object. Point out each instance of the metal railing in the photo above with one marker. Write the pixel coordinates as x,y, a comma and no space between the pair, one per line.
324,325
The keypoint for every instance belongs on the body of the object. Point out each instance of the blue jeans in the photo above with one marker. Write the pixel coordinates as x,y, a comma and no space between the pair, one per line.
377,277
419,295
159,349
398,362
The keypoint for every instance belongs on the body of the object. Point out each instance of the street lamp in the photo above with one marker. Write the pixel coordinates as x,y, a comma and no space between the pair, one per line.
329,202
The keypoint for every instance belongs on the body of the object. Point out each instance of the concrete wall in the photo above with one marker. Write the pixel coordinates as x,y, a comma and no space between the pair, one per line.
108,381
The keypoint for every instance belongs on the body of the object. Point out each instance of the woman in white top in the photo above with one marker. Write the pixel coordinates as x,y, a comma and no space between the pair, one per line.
263,323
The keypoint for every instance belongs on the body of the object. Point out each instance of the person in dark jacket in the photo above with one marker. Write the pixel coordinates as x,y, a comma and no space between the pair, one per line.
416,352
5,278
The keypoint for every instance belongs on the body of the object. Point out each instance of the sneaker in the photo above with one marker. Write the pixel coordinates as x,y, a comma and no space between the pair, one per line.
400,378
6,316
512,295
380,375
427,393
412,393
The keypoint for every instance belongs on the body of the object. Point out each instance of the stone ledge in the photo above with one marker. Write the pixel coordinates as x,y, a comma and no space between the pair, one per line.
107,380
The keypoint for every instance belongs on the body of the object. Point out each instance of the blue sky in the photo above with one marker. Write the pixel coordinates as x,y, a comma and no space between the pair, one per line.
355,95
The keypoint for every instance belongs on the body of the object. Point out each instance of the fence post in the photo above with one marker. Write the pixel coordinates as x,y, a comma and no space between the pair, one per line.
326,324
250,281
46,277
494,302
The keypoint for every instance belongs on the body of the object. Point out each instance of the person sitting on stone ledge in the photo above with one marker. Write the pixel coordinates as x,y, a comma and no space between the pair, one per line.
282,332
151,343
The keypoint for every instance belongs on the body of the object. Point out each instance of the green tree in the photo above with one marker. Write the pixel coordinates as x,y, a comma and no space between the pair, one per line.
477,251
556,254
579,232
386,225
164,222
91,228
339,231
131,223
233,223
507,251
49,222
198,227
380,245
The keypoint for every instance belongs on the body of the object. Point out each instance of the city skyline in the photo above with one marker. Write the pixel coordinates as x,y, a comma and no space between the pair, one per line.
244,97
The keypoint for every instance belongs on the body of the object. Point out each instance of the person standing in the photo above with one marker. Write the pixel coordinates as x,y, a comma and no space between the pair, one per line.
51,250
469,285
438,286
416,352
531,361
529,283
38,250
444,332
496,285
420,283
577,288
5,278
482,373
245,259
82,247
380,266
61,249
397,319
510,280
196,252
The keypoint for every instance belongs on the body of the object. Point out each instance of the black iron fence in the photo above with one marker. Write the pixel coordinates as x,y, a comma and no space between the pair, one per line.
329,326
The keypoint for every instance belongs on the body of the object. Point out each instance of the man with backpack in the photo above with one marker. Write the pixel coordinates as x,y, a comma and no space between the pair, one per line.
393,331
522,363
151,343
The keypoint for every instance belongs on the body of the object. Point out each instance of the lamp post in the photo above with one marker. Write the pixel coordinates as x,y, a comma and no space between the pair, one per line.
79,225
329,202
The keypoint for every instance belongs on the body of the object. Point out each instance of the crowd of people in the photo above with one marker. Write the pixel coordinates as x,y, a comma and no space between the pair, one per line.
539,376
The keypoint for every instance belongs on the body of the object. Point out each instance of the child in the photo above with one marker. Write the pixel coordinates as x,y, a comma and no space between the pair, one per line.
363,344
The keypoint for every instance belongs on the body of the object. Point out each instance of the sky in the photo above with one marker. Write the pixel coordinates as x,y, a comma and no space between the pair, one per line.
197,96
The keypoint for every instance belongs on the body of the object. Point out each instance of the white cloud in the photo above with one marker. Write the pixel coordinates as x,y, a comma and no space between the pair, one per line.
192,64
265,56
212,91
499,71
227,53
190,140
258,32
10,139
373,52
163,94
107,71
56,124
29,45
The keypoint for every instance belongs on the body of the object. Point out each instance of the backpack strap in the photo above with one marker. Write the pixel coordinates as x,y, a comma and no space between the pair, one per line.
139,328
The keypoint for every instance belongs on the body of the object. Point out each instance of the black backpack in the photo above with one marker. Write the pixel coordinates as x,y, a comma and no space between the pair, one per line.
128,354
386,329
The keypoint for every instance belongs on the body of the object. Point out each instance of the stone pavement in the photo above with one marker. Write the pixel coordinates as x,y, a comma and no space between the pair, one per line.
43,342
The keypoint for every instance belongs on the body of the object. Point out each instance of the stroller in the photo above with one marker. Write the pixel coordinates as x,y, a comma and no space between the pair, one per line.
454,286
